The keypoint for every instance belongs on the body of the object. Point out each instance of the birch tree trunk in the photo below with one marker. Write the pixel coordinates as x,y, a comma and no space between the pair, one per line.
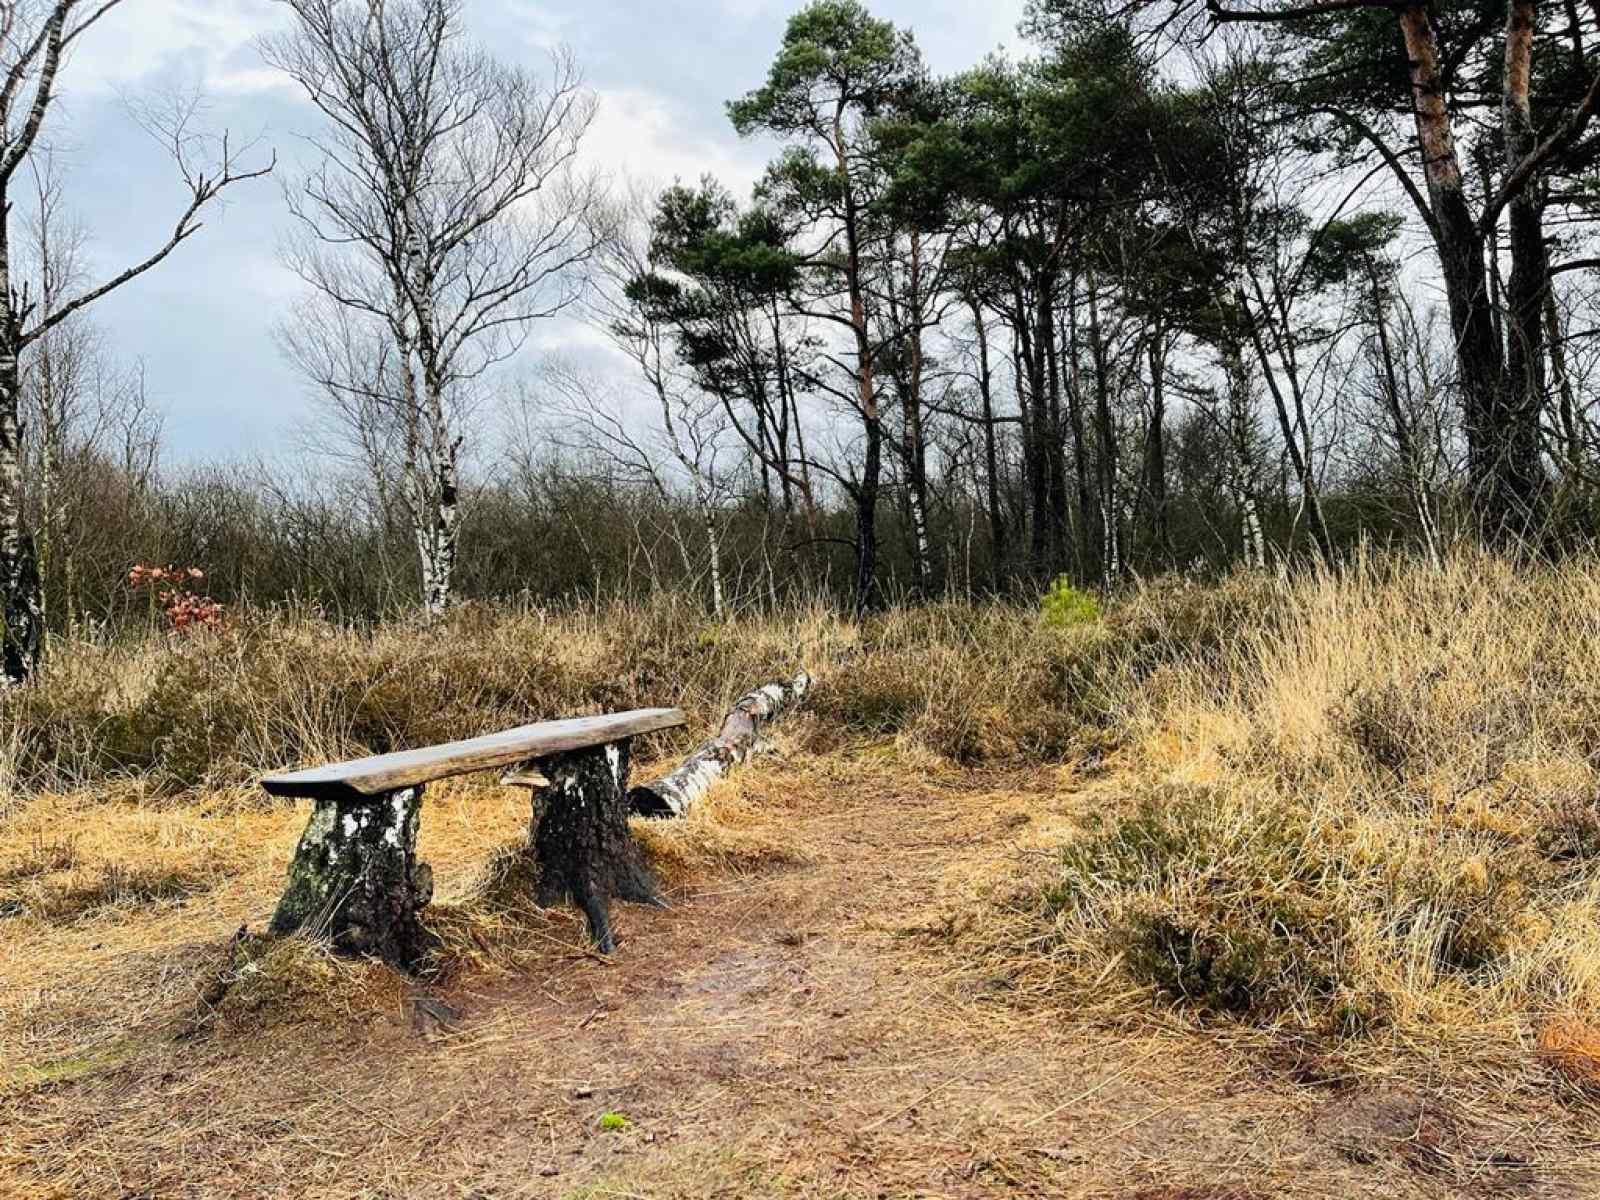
714,552
21,606
916,449
1243,468
740,737
440,544
922,550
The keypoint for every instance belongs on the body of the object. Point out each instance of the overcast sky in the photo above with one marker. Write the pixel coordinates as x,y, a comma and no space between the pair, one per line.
203,320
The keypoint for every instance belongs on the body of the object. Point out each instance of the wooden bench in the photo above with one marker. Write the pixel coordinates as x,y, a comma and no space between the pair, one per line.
355,876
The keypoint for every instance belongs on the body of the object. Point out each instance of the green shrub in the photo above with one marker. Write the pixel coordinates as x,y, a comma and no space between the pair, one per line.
1065,606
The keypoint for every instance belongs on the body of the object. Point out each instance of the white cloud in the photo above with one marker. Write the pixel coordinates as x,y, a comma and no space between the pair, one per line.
214,38
640,134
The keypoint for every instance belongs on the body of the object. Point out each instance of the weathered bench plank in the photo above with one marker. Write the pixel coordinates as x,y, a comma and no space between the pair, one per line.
362,778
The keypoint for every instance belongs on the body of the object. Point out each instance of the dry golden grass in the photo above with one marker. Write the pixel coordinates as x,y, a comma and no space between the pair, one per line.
1370,814
1341,827
201,716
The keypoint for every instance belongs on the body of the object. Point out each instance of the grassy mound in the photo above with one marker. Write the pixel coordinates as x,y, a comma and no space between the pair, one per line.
1372,805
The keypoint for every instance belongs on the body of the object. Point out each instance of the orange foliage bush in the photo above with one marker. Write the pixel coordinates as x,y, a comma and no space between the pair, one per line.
183,607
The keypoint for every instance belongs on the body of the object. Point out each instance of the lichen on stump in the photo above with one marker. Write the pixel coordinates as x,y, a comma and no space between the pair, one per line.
355,878
581,839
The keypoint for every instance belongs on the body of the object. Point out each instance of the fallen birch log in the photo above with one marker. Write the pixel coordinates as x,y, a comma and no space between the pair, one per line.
673,794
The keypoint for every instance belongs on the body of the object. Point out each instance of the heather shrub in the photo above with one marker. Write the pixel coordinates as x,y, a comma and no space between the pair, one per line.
1226,912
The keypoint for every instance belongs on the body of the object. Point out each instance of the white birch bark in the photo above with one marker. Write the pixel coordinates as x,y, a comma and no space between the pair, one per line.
919,531
21,609
1244,472
740,737
714,549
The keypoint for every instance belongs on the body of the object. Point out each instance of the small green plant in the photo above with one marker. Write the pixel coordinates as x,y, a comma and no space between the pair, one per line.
1065,607
613,1122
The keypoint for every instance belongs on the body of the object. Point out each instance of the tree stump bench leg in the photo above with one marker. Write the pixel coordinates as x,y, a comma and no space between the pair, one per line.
581,840
355,877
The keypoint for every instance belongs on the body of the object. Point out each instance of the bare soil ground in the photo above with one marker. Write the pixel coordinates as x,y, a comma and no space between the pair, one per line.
814,1028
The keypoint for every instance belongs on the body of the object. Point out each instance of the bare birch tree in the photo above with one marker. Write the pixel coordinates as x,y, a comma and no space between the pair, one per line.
446,216
35,36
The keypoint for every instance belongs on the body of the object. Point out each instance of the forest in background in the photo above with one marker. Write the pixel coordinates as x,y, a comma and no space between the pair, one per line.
1180,288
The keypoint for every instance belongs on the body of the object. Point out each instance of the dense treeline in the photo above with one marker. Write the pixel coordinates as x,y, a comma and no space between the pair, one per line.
1183,286
567,533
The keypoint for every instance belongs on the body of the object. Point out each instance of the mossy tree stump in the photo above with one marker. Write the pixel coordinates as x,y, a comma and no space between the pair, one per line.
580,839
355,877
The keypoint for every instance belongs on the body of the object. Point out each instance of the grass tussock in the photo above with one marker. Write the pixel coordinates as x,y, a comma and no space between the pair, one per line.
264,982
1370,806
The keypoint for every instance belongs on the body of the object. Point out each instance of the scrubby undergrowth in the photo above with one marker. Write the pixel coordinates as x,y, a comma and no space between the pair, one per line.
210,711
1369,809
